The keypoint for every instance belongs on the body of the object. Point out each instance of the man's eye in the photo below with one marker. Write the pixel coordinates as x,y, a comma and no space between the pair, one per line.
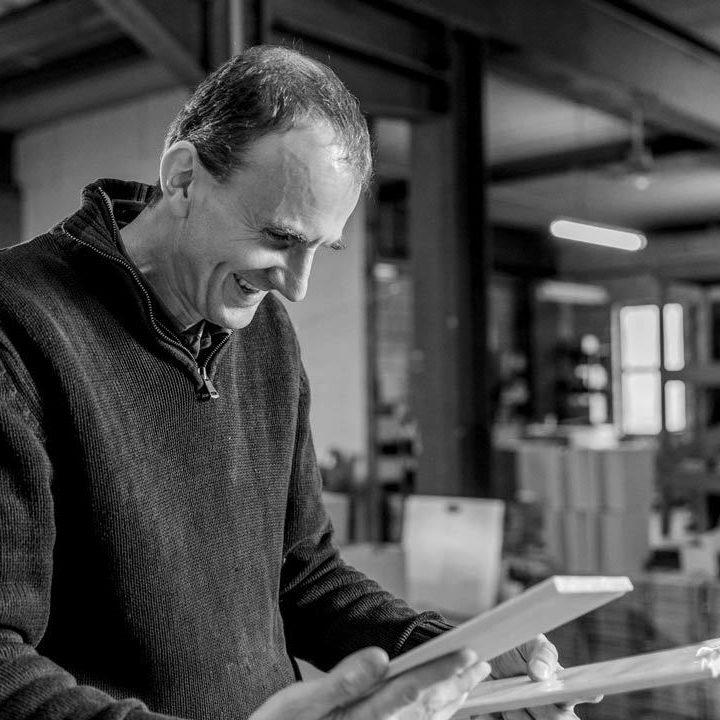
279,238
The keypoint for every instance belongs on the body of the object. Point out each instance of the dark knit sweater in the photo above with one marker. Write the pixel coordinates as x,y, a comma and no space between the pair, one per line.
158,549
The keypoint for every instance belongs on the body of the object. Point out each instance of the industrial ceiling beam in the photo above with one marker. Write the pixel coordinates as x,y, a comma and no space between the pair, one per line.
93,89
382,90
591,157
175,36
409,43
40,33
592,50
395,61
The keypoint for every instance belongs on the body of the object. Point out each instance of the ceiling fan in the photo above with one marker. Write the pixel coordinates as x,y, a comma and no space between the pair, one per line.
636,169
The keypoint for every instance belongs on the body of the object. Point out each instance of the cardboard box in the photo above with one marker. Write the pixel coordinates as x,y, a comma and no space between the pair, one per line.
627,477
554,536
540,474
624,542
581,541
582,479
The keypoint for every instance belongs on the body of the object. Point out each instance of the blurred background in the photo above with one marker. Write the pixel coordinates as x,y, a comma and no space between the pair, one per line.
546,395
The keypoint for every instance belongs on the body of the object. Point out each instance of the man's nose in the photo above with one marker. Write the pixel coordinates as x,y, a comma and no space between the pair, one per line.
297,274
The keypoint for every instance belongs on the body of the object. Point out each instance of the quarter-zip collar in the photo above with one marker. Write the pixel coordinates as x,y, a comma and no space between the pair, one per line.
94,228
106,206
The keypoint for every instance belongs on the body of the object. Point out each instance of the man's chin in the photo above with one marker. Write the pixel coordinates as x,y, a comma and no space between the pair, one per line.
239,318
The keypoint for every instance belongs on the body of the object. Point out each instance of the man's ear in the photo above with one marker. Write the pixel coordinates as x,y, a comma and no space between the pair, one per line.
178,168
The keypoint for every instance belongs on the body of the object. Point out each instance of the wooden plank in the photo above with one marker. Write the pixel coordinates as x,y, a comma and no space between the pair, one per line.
690,663
545,606
174,38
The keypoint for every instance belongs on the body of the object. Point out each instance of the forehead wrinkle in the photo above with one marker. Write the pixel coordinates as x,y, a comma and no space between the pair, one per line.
297,181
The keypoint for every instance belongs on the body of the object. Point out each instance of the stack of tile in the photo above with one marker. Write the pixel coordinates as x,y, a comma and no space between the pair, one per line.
626,491
596,502
538,476
579,523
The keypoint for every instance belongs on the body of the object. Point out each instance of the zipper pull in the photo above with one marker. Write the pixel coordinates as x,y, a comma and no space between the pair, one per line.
209,390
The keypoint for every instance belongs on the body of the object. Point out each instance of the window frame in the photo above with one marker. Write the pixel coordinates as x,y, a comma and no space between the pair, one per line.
665,376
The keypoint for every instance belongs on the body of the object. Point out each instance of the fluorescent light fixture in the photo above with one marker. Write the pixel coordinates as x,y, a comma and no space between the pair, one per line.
594,234
559,291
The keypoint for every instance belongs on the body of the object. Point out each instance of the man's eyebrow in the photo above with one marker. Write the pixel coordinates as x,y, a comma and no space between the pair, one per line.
288,231
301,238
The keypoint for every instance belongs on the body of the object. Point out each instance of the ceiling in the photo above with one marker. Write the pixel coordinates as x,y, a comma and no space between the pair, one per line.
550,152
678,193
677,189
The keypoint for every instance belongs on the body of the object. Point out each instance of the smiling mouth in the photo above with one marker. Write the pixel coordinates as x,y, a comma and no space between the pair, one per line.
245,286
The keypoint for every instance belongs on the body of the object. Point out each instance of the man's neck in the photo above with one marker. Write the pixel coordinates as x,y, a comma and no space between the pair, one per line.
147,243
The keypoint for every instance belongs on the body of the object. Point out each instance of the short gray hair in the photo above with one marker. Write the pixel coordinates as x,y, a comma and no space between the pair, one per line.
263,90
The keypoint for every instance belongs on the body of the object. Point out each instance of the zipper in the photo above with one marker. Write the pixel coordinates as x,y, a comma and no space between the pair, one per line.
209,391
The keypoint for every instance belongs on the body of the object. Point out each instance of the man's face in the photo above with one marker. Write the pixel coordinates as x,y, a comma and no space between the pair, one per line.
260,230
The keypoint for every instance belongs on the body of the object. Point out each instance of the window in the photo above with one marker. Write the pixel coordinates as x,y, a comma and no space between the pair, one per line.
643,357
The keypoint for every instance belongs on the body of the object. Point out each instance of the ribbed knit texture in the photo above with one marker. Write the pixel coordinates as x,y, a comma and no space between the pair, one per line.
154,545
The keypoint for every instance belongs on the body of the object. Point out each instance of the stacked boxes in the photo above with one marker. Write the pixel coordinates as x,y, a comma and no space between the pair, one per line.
596,502
627,486
538,476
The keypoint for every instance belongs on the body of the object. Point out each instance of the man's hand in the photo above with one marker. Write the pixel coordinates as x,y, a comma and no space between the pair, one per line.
538,659
354,690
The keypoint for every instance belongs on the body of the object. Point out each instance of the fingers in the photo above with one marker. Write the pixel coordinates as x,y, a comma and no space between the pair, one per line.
542,658
537,658
588,700
544,712
348,682
429,688
354,677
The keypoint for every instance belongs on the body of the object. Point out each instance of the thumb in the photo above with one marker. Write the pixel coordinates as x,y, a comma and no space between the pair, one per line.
353,677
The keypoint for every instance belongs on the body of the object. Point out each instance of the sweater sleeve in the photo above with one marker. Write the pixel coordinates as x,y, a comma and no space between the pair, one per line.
32,686
330,609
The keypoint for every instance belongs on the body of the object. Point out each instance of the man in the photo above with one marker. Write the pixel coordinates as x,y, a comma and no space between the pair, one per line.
163,545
